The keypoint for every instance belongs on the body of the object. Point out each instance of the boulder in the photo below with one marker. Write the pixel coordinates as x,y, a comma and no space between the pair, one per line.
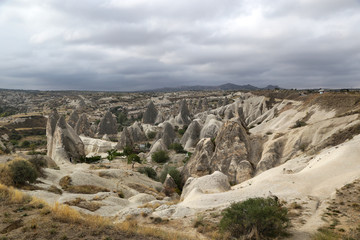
169,186
151,113
215,183
191,136
107,125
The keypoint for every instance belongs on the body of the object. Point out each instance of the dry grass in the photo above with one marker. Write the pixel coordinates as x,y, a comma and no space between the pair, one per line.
66,185
82,203
5,175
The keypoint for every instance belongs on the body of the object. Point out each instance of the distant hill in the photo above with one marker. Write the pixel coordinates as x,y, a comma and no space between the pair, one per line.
225,87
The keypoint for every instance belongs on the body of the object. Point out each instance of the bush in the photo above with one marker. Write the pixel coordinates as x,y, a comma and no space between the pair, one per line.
150,172
133,158
256,218
22,171
151,135
25,144
38,163
177,147
113,154
90,159
299,124
183,130
128,151
160,156
174,173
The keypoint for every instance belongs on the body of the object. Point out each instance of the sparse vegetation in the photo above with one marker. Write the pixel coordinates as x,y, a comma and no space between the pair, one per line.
151,135
22,172
257,218
174,173
299,123
160,156
112,154
177,147
132,159
150,172
89,160
66,184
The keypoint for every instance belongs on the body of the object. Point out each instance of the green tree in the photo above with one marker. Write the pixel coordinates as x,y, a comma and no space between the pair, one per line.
160,156
132,159
256,218
22,172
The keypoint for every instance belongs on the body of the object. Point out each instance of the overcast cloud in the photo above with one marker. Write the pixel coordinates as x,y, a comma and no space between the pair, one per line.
125,45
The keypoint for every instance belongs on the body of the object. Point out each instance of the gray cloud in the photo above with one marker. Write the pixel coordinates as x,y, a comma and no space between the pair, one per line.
137,44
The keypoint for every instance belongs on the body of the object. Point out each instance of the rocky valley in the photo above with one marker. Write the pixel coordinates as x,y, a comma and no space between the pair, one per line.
173,161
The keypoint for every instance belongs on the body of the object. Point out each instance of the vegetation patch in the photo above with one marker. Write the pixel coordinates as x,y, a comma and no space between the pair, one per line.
259,218
160,156
66,184
150,172
82,203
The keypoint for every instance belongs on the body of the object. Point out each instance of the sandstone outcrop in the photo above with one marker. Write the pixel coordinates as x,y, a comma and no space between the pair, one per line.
125,139
73,119
167,134
183,118
215,183
83,126
136,132
50,129
107,125
66,145
211,127
231,156
150,114
191,136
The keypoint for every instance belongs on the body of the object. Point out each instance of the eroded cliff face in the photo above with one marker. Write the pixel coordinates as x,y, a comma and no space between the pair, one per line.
64,145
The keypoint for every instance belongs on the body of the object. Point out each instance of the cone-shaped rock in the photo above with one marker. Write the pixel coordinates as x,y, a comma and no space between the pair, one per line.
125,139
50,129
137,132
150,114
67,145
107,125
168,134
183,118
73,119
191,136
83,126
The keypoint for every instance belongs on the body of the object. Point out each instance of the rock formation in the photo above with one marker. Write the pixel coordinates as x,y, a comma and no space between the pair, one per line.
73,119
231,156
168,134
83,126
125,139
199,163
214,183
137,132
107,125
50,129
169,185
192,135
150,114
211,127
157,146
65,144
183,118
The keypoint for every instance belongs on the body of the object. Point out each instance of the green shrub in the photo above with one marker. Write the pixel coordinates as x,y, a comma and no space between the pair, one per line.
25,144
22,172
259,218
90,159
150,172
182,130
38,163
128,151
160,156
177,147
151,135
113,154
174,173
133,158
299,124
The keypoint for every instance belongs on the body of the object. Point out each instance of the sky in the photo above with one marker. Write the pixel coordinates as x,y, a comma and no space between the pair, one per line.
126,45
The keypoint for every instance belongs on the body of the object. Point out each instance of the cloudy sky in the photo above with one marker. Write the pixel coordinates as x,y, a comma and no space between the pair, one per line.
140,44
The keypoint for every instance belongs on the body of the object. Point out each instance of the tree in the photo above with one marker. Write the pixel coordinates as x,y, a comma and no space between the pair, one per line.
132,159
255,218
22,172
160,156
